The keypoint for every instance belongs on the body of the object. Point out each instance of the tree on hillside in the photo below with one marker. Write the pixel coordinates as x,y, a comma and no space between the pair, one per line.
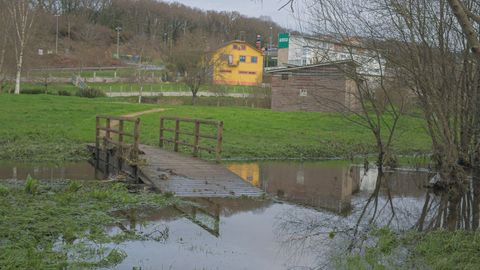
22,17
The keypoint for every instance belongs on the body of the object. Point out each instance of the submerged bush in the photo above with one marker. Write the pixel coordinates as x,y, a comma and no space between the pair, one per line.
3,190
90,93
74,186
31,185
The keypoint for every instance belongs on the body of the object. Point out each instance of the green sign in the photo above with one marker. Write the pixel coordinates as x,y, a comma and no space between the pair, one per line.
283,39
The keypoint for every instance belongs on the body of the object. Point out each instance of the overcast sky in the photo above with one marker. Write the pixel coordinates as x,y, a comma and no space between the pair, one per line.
251,8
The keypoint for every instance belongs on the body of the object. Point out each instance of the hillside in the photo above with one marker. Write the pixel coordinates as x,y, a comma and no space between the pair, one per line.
87,35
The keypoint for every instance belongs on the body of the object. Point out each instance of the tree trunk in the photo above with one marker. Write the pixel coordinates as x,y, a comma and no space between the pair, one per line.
19,71
140,95
476,198
194,97
2,53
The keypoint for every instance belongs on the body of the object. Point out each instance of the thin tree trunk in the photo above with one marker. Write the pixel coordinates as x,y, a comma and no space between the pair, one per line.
140,94
19,71
2,53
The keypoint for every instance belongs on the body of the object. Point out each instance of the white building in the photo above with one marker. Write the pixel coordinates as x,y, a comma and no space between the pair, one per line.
303,50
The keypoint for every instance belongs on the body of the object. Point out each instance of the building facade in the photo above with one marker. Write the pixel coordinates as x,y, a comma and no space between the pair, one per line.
305,50
238,63
321,88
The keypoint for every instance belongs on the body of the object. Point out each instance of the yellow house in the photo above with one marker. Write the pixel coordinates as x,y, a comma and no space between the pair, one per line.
238,63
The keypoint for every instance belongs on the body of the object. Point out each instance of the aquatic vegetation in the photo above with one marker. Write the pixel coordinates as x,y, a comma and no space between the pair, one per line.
437,249
64,224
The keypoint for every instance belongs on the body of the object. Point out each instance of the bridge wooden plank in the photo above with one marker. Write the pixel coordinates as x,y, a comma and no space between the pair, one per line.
191,177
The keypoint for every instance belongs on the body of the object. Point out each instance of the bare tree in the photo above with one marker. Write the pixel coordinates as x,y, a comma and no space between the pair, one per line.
193,61
22,16
467,14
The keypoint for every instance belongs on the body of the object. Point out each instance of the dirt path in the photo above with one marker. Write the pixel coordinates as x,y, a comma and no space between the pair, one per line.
114,123
136,114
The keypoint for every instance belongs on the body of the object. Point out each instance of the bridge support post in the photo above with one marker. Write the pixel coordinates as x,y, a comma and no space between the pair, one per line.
218,149
177,135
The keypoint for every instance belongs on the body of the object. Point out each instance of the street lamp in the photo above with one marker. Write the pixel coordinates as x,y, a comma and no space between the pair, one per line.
270,45
118,29
56,37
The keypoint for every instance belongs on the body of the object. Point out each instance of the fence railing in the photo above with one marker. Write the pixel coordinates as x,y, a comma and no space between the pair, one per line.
195,142
115,125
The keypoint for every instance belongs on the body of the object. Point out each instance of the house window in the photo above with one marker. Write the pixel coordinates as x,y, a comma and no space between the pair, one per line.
303,92
254,59
242,58
235,46
230,59
284,76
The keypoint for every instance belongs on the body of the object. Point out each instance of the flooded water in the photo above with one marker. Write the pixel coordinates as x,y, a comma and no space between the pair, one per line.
292,231
309,202
74,171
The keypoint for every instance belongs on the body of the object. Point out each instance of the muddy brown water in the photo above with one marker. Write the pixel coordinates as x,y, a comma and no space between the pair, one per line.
291,231
73,171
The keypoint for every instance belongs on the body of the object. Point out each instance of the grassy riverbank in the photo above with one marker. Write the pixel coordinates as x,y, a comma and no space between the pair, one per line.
438,249
63,225
55,128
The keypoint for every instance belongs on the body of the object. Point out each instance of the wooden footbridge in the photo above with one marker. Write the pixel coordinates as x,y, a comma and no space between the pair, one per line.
117,150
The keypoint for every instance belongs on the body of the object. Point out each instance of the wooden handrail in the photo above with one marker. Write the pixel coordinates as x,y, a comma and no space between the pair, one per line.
195,144
191,120
119,142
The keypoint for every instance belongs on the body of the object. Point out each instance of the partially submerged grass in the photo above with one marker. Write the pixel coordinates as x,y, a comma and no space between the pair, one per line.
437,249
63,225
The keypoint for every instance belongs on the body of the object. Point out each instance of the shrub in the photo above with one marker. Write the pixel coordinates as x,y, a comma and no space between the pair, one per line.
64,93
32,91
3,190
31,185
90,93
74,186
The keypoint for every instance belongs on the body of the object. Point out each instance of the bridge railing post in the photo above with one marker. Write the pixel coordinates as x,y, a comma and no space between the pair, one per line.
177,134
218,149
97,142
107,157
162,138
120,144
196,140
136,139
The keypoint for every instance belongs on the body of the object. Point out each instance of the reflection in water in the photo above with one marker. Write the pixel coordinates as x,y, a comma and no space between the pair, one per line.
76,171
454,208
251,234
245,239
322,186
344,201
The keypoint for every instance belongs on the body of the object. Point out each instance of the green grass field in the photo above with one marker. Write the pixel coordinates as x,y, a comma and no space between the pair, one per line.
55,128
